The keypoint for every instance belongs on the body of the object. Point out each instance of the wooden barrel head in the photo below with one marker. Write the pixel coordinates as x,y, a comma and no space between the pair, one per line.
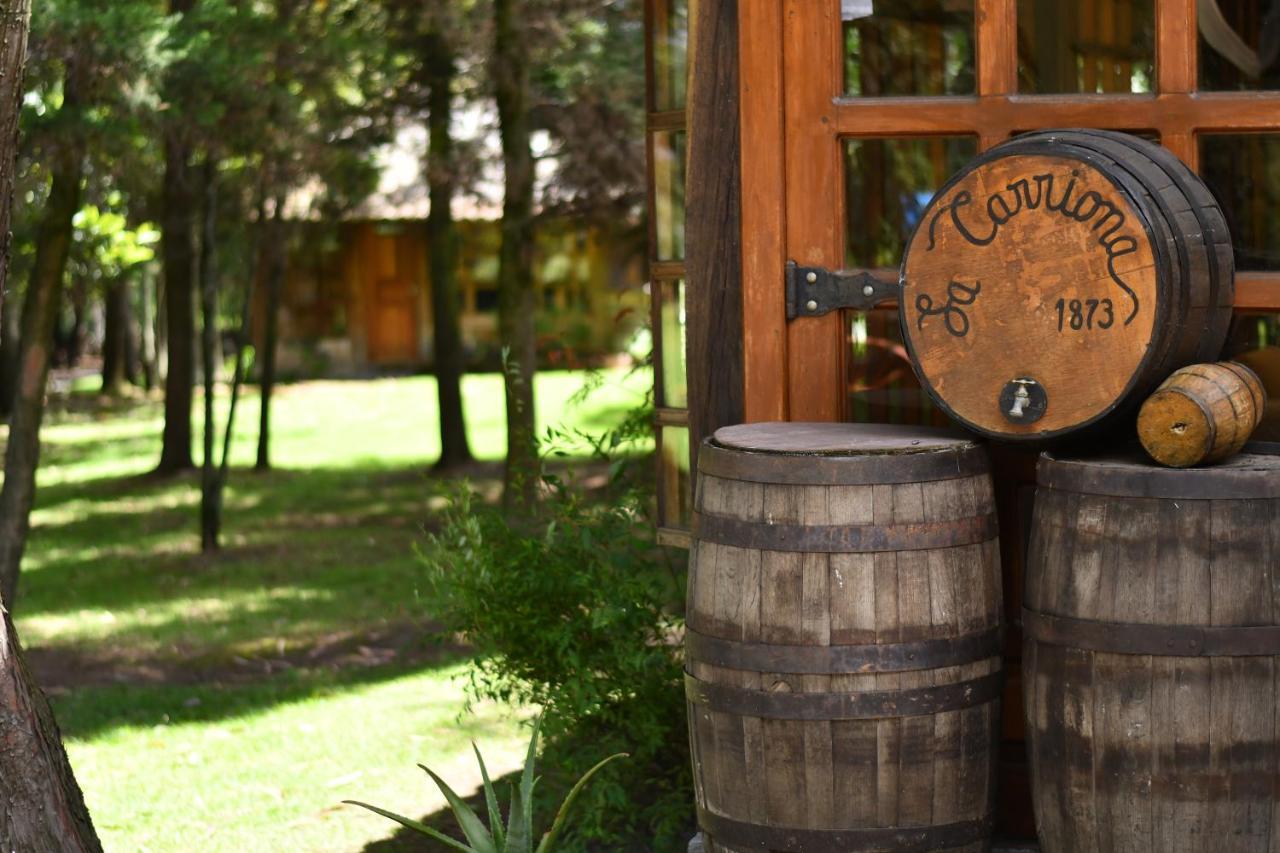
1037,272
837,439
840,454
1247,475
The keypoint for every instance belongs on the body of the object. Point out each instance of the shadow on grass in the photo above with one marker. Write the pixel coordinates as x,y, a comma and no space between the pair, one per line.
92,712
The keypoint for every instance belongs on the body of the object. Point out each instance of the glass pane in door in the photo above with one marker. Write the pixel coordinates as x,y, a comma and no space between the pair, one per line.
1239,45
1255,342
888,184
1086,46
1243,170
908,47
670,45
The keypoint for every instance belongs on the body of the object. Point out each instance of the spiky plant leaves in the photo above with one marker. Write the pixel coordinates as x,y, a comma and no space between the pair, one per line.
468,821
519,832
491,800
409,823
558,824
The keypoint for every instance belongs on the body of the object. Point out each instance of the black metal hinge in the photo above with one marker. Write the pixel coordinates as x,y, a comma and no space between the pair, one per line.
814,291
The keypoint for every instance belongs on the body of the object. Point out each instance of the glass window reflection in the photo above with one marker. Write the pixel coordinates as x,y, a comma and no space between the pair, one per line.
1239,45
1243,170
675,375
670,40
668,194
908,47
1091,46
888,184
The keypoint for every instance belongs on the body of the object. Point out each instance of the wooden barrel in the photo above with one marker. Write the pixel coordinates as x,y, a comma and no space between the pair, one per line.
1058,279
843,645
1151,656
1202,413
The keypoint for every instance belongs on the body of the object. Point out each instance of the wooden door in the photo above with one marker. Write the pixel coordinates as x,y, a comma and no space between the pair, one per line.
854,111
393,337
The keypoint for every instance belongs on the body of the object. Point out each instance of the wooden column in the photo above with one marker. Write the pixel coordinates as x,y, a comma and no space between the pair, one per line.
713,225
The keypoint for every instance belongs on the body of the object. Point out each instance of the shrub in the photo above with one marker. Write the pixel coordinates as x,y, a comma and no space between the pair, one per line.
579,612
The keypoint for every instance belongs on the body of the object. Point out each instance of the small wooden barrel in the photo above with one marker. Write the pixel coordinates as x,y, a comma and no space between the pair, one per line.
843,646
1058,279
1151,656
1202,413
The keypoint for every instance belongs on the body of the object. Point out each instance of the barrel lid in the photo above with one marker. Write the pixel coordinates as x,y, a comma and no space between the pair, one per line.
1251,474
839,439
840,454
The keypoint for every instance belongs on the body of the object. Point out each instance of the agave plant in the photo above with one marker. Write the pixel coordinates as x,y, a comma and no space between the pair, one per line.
517,835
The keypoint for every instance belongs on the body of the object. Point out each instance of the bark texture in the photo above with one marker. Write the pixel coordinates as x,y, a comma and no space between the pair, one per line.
39,316
41,807
442,249
517,303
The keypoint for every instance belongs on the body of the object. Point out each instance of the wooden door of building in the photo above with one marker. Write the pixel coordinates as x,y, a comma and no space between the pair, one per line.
853,112
393,330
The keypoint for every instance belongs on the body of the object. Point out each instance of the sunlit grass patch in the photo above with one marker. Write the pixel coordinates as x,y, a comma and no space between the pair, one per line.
229,702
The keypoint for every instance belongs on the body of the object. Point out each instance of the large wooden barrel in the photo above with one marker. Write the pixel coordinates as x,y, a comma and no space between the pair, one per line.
1152,653
1053,283
843,645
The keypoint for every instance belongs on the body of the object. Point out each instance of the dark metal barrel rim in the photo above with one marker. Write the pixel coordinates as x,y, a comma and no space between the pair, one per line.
1247,475
1157,640
901,839
845,538
865,470
843,660
869,705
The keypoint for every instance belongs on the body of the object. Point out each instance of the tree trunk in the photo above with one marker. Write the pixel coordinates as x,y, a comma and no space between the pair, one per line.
442,249
39,316
276,249
517,304
79,307
41,807
177,247
210,494
148,350
115,338
10,334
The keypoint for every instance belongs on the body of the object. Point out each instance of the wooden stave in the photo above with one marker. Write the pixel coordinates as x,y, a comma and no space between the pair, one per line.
1171,329
1070,546
989,663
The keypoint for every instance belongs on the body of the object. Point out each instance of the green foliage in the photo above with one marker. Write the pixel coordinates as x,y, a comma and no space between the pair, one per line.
106,247
517,835
579,612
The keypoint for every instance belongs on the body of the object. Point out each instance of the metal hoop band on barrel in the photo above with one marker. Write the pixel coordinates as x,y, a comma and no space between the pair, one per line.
843,660
911,839
871,705
844,538
1161,640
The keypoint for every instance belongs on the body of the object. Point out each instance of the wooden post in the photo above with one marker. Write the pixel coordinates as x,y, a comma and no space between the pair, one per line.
713,226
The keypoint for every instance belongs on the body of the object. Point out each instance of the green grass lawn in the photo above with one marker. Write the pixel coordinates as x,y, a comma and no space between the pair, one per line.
231,702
